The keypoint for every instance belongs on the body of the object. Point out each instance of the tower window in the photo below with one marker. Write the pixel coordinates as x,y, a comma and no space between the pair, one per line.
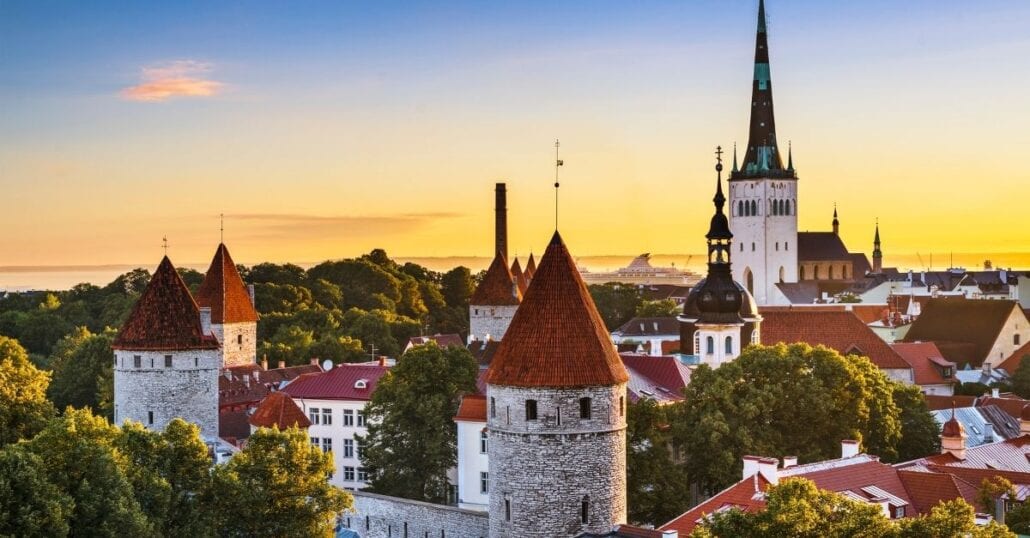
777,246
742,247
168,361
729,345
584,408
137,361
740,209
786,246
507,509
493,407
752,247
622,405
530,409
196,362
584,511
710,345
239,339
150,417
484,482
484,441
754,207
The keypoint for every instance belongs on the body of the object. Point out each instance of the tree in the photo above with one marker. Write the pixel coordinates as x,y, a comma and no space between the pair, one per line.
24,409
658,309
951,519
783,400
1021,378
657,484
80,460
83,373
277,486
171,475
617,303
971,389
991,490
30,506
457,287
920,435
1018,519
412,439
796,508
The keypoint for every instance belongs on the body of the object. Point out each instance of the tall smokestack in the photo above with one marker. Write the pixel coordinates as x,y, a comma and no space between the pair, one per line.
501,222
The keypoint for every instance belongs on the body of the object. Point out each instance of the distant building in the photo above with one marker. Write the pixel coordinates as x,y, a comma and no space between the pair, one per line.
497,297
934,374
972,333
647,335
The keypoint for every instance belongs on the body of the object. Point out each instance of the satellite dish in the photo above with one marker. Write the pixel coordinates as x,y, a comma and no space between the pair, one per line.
327,365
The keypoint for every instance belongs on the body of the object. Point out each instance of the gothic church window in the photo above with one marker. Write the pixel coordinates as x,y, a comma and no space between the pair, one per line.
740,209
754,207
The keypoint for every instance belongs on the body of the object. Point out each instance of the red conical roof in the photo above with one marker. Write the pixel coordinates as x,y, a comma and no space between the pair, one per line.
165,317
530,267
224,292
519,277
557,337
498,286
279,410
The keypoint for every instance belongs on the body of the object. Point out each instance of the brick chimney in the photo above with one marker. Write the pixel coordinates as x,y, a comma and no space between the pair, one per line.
501,220
764,466
848,448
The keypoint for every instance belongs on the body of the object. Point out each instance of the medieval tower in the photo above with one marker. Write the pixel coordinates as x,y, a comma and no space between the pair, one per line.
165,364
719,317
764,193
227,310
556,413
493,304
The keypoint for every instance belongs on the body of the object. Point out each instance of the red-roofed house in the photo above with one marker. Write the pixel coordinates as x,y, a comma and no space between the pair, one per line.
334,401
473,477
841,331
278,410
930,370
972,332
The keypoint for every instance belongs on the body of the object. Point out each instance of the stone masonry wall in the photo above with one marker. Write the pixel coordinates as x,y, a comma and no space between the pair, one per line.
234,352
490,321
189,389
546,468
379,516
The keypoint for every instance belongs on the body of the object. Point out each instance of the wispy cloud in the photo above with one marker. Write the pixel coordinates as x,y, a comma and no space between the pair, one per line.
181,78
269,225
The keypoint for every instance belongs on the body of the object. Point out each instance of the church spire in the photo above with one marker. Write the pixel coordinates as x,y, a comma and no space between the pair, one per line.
762,158
836,223
877,253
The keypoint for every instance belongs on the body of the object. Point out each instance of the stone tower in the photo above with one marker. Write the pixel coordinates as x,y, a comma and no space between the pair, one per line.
764,194
165,365
493,304
556,413
719,316
227,310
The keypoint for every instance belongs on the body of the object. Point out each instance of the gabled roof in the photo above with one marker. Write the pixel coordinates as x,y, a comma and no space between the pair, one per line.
472,408
860,264
921,357
811,291
938,402
498,287
664,377
245,385
483,351
842,331
821,246
280,411
928,489
748,495
1012,363
224,292
165,318
649,327
963,321
1009,455
344,382
519,277
557,337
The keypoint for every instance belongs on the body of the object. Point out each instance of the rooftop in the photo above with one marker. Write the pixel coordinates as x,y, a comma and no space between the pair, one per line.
841,331
224,292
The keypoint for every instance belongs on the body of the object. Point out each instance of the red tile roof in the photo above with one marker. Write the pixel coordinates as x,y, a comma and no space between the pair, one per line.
246,385
747,495
1010,455
928,489
530,266
868,313
280,411
920,355
1010,364
973,322
666,372
519,276
340,383
842,331
233,424
165,318
1011,404
498,287
472,408
224,292
557,337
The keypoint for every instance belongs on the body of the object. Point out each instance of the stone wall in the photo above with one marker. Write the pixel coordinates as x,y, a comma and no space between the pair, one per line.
542,470
490,321
239,343
379,516
188,389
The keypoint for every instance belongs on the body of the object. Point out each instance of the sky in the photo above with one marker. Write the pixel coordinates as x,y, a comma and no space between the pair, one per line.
322,130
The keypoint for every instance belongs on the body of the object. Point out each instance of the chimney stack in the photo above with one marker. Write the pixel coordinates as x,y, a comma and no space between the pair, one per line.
848,448
762,466
282,364
501,220
789,461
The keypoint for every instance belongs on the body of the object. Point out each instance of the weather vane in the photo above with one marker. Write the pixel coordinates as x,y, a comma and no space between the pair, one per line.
221,227
164,244
557,164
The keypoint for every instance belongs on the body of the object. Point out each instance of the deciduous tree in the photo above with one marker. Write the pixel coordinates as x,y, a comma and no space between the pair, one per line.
83,373
24,409
657,484
30,506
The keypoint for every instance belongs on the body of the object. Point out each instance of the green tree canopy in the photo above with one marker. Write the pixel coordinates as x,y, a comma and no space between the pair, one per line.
412,439
783,400
278,486
920,435
1021,378
83,372
617,303
24,409
658,309
658,487
30,506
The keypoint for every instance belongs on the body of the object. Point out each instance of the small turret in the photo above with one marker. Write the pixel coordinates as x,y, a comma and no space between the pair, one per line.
877,253
953,438
836,222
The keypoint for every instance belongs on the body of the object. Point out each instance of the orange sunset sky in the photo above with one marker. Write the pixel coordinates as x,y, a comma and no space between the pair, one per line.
329,132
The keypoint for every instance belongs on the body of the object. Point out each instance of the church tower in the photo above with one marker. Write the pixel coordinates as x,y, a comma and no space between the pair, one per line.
165,364
877,253
720,317
764,194
556,413
227,310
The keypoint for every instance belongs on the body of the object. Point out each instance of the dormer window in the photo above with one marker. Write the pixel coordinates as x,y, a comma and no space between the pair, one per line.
361,384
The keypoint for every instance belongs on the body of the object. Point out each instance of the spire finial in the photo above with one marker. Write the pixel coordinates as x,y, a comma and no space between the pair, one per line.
719,199
164,244
558,163
735,167
790,155
836,223
761,16
221,228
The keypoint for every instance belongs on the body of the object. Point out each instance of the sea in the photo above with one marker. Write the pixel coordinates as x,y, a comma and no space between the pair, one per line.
62,277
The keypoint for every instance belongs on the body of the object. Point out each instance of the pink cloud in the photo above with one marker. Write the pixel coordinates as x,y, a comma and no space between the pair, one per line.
181,78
